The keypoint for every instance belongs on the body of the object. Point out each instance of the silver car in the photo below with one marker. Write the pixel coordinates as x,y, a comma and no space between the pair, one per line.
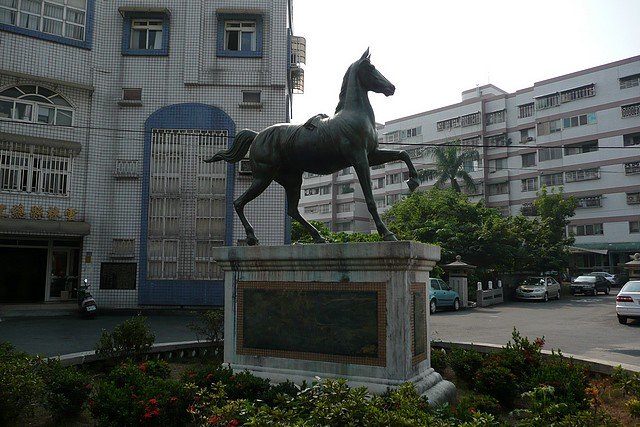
628,301
538,288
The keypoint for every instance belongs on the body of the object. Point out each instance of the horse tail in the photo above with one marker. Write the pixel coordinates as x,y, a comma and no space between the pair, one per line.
238,150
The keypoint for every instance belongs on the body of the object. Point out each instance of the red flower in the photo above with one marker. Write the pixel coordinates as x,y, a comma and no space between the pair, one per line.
213,419
472,410
210,377
153,402
233,423
142,367
173,399
191,409
88,387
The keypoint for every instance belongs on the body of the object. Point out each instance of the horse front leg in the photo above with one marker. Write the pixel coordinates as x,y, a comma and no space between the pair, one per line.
379,157
361,165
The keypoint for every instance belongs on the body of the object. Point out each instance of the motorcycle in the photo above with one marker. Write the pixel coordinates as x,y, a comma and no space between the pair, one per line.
86,303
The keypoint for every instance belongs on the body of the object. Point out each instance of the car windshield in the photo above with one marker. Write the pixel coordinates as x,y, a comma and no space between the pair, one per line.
586,279
631,287
534,281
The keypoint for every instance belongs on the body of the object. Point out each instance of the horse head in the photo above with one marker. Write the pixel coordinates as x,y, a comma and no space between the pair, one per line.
372,79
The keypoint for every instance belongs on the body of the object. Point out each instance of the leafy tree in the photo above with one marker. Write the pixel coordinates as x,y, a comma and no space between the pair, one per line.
299,234
554,210
449,166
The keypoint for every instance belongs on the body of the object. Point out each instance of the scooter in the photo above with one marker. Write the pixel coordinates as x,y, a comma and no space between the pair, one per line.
86,304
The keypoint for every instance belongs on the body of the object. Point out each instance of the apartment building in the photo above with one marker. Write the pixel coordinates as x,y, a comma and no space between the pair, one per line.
579,131
107,111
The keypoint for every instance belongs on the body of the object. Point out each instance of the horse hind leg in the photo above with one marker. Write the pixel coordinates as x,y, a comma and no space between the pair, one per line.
258,185
292,183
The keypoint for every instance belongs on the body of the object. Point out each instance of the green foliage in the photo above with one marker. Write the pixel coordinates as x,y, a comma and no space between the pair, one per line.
449,162
131,338
497,381
522,356
20,385
544,409
210,325
438,359
66,390
465,363
634,407
569,381
140,394
629,382
300,235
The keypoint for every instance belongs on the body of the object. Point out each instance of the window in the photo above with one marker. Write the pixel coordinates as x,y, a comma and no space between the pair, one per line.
586,230
239,35
581,120
529,209
497,164
589,202
633,198
392,198
496,117
497,140
377,183
629,81
64,21
578,93
448,124
414,132
526,135
634,226
552,179
582,175
314,191
145,34
132,94
499,188
474,141
346,189
345,207
631,139
118,275
251,97
27,168
546,128
631,168
470,119
525,110
581,147
36,104
547,101
123,248
631,110
528,160
344,226
469,166
316,209
549,153
529,184
393,179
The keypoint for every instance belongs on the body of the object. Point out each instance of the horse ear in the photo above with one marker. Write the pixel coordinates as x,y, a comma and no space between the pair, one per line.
365,55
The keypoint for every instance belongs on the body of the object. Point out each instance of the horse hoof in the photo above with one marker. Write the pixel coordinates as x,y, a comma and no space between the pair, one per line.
319,240
252,241
413,183
390,237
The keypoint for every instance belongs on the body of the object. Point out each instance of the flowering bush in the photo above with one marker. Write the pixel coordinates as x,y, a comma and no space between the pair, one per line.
66,391
140,394
20,384
131,338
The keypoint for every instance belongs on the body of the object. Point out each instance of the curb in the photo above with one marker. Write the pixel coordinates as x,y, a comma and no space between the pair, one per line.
595,365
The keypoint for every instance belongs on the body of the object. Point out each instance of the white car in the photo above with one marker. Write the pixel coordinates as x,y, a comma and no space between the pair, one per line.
612,278
628,301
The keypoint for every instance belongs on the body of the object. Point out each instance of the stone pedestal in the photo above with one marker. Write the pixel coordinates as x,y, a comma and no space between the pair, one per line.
357,311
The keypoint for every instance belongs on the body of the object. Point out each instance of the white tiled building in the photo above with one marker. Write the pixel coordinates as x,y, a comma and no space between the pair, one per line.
107,110
580,131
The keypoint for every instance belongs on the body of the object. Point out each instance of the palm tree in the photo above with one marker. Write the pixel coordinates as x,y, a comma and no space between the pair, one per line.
449,166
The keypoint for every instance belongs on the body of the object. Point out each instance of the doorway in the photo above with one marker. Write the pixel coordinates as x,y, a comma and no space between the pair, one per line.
23,273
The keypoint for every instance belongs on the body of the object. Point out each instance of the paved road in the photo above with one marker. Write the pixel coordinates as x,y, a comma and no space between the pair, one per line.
52,336
585,326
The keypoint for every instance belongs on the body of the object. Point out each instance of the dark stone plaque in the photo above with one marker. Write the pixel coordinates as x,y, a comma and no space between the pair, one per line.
294,320
419,323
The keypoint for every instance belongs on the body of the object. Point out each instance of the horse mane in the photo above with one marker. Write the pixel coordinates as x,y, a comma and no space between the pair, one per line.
343,89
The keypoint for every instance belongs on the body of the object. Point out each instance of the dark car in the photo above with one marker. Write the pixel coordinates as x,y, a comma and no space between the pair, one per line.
590,285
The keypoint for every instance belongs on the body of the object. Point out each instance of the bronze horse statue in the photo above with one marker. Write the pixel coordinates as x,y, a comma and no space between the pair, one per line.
323,145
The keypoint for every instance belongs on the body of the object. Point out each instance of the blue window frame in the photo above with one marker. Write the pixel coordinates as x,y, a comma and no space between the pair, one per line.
67,22
239,35
145,34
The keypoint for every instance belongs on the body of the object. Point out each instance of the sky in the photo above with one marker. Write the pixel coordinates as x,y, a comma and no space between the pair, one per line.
433,50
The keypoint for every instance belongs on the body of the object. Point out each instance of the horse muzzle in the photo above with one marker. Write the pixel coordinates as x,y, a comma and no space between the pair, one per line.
389,90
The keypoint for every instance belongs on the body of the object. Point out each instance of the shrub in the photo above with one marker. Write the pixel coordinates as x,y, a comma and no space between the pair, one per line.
543,408
140,394
634,407
568,380
521,356
494,379
131,338
627,381
465,363
474,402
438,359
67,390
210,325
20,384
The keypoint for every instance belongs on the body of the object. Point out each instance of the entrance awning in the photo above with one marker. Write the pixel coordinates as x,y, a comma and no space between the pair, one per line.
43,227
577,250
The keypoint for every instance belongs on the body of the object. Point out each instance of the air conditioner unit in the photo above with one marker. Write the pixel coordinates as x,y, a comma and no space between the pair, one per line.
245,167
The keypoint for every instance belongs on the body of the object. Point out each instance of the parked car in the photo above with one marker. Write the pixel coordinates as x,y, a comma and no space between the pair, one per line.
612,278
628,301
442,296
590,285
538,288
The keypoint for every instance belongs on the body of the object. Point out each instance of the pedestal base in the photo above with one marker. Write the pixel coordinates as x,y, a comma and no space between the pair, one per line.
357,311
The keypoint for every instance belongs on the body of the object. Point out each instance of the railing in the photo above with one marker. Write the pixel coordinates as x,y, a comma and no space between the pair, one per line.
485,298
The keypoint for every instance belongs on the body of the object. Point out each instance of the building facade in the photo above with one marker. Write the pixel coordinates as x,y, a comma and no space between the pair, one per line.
107,111
579,131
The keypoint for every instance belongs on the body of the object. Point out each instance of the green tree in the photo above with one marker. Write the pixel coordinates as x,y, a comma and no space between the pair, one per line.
449,162
555,210
300,235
